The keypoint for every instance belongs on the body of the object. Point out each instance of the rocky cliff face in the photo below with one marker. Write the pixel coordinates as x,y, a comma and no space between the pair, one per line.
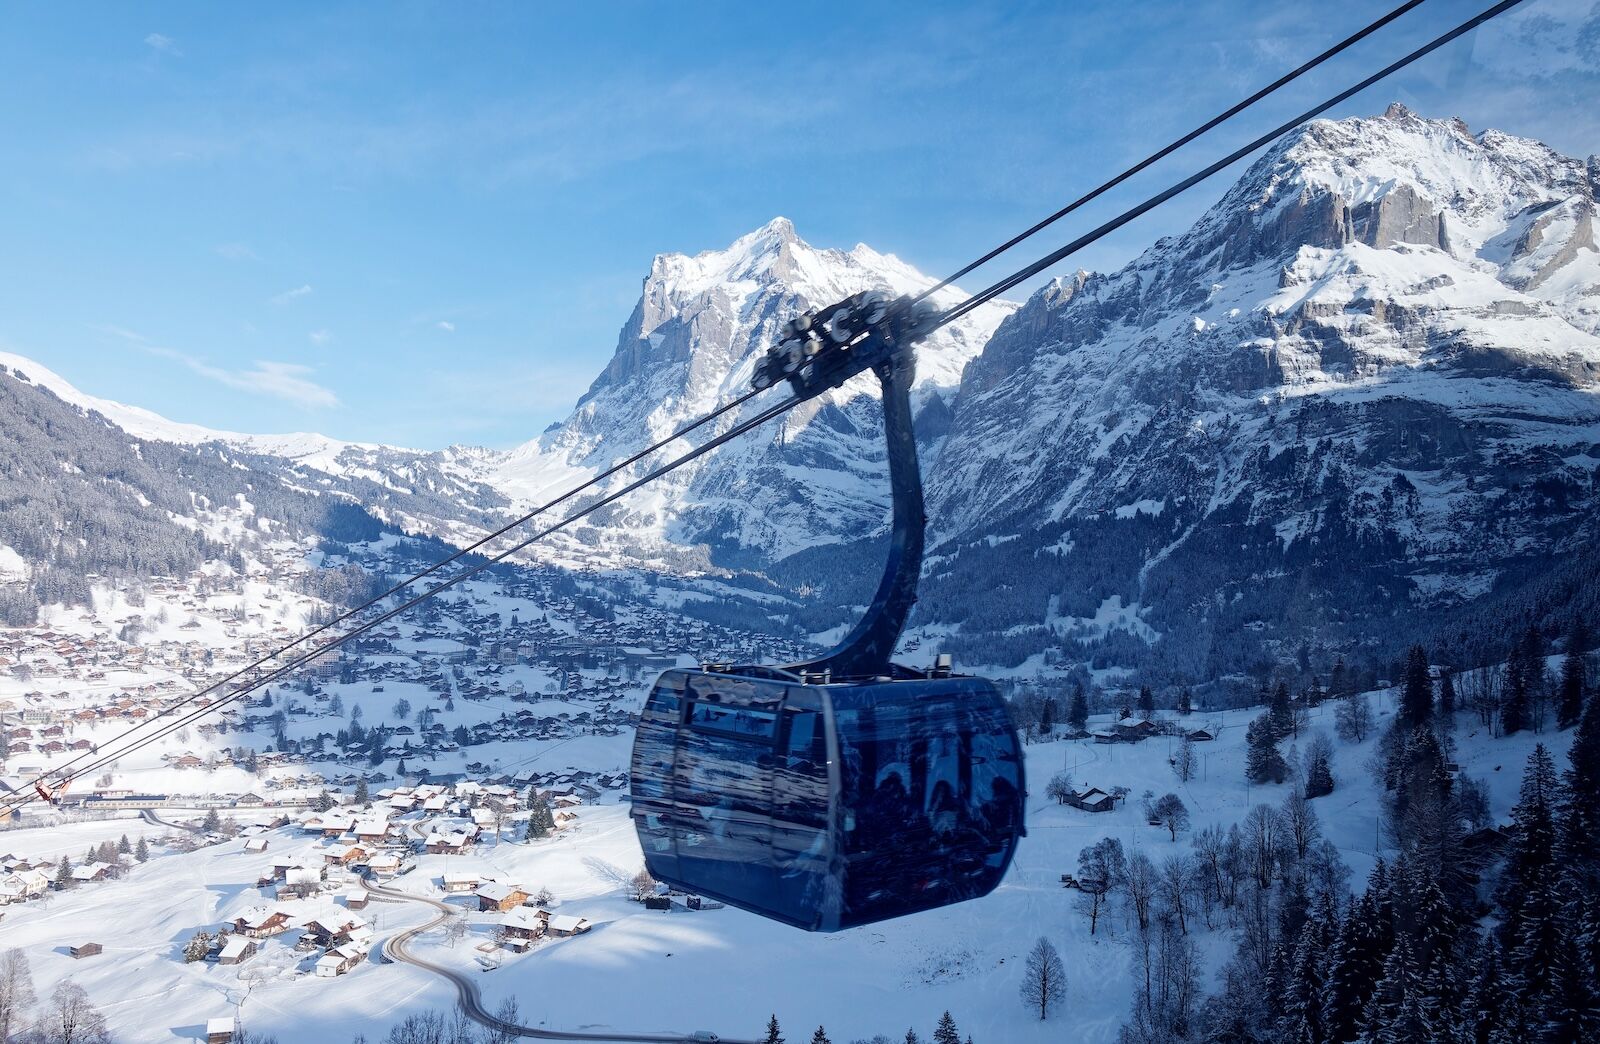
1363,386
692,342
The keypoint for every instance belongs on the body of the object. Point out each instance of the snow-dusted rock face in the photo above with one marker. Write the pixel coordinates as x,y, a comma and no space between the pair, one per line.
1364,384
692,342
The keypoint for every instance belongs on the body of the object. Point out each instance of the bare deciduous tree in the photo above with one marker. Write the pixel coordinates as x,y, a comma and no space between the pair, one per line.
16,992
1141,889
71,1018
1184,759
1171,813
1177,888
1044,981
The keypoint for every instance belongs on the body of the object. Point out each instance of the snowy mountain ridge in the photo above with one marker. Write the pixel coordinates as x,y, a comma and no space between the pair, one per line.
1364,383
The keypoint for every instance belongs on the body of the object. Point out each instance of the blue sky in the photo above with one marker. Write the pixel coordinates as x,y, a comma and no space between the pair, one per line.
425,223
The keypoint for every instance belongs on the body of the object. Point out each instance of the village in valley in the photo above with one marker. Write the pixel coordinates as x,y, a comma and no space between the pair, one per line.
417,764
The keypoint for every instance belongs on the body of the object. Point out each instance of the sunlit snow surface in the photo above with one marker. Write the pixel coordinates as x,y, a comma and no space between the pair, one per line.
680,971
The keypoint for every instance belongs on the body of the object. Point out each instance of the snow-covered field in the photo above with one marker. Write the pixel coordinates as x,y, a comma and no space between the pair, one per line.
680,971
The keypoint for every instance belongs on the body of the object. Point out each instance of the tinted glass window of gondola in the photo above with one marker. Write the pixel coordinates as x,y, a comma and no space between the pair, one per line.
934,791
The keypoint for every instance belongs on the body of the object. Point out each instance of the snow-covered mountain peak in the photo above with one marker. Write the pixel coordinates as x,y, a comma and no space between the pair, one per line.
1395,178
692,342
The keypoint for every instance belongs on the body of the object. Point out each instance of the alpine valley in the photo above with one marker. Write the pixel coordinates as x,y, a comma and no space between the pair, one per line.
1355,404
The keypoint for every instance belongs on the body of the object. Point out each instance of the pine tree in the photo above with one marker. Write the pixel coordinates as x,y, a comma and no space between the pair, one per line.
1185,701
197,949
1047,717
945,1032
124,847
1147,708
1514,709
1535,948
1578,844
1484,1007
1338,679
363,795
774,1036
1319,770
1571,1009
541,821
1263,763
1304,981
1569,705
1416,698
1524,895
1447,701
141,851
64,874
912,1038
1279,714
1394,1000
1354,965
820,1036
1078,709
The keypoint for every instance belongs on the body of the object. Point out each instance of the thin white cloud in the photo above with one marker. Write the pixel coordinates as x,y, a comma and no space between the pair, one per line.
281,380
164,44
290,295
446,325
124,333
237,252
320,336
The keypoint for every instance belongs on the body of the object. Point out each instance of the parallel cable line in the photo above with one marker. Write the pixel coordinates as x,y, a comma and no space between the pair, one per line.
1174,146
61,772
1159,198
167,728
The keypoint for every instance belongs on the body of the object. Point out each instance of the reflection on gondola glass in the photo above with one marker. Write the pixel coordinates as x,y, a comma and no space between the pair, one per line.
827,806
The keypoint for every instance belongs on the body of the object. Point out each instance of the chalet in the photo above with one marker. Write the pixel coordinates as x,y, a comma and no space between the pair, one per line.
385,864
340,960
91,872
1132,731
494,895
355,899
1092,800
237,950
525,923
371,831
21,885
255,844
187,761
82,950
334,930
305,877
347,856
565,925
1201,736
453,843
461,881
260,922
220,1030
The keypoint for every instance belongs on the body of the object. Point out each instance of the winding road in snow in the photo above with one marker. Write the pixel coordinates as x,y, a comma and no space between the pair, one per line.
396,949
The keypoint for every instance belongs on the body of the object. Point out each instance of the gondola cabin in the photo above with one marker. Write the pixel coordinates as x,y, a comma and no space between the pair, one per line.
827,806
846,789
